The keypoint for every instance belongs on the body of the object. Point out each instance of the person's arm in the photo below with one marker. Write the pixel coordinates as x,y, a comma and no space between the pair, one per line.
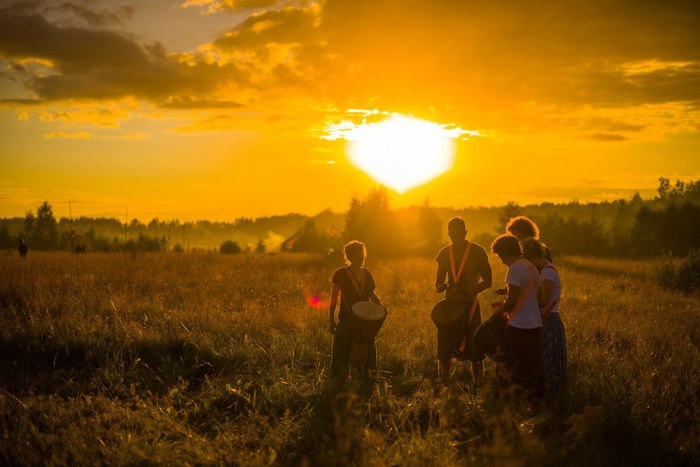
375,298
440,275
544,293
511,300
331,308
486,276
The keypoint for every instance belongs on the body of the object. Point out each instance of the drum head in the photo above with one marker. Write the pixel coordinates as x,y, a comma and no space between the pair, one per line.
448,311
368,311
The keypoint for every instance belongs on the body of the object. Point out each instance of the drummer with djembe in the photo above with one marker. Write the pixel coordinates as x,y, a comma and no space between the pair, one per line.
359,319
463,272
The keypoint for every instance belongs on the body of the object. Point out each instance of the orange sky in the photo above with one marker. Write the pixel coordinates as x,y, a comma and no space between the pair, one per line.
215,109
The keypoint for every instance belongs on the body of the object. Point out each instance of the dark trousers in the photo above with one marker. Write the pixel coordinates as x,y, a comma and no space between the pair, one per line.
523,361
341,352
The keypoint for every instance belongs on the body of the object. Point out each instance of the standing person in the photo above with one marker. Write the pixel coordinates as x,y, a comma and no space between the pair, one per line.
23,249
353,283
553,337
522,355
466,267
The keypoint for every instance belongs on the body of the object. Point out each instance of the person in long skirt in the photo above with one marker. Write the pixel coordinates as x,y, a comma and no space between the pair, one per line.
352,283
553,336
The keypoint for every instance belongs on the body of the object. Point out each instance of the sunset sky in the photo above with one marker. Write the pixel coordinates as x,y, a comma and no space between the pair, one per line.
216,109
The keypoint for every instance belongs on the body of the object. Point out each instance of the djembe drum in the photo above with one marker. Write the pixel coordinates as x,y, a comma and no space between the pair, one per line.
365,320
489,335
450,317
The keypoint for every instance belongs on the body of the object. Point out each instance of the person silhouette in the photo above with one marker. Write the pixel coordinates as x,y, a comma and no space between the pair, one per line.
23,249
463,271
352,283
521,367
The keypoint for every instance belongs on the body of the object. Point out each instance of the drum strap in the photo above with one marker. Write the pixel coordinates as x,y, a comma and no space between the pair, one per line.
551,306
456,274
361,286
475,303
530,288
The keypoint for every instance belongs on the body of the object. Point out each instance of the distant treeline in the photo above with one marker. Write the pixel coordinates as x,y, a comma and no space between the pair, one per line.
666,224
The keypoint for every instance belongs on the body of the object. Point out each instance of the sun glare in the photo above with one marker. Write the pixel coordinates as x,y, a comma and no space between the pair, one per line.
402,152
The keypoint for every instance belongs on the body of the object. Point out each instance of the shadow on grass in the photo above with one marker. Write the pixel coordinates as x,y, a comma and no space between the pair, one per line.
39,364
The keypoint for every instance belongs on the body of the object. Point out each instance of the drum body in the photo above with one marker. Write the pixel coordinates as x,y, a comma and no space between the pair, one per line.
450,316
365,321
489,336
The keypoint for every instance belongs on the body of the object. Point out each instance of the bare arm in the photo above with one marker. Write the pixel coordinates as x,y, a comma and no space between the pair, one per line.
544,293
486,276
331,308
511,299
440,275
375,298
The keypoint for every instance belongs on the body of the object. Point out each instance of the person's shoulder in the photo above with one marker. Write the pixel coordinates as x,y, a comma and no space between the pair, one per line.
340,272
518,267
443,253
549,272
479,249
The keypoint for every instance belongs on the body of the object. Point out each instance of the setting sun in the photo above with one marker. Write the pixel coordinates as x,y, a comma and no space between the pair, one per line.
402,152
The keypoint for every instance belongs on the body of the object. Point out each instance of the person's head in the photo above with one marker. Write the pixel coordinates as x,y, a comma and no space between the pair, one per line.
507,248
522,227
457,229
355,253
533,250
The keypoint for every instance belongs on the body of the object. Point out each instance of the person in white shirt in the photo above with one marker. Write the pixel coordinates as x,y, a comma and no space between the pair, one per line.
522,356
553,336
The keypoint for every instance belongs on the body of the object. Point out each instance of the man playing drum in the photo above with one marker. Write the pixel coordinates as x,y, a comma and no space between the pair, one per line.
466,267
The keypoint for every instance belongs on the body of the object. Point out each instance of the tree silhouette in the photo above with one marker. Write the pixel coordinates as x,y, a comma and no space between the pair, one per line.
509,211
229,247
41,231
372,221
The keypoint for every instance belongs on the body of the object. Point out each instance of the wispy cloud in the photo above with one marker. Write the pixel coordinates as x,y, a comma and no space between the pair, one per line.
608,137
64,135
213,6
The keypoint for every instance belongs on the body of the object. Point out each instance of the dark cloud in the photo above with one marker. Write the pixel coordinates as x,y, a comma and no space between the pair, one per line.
238,5
466,58
498,54
607,137
70,12
189,103
610,125
286,26
103,64
85,12
25,102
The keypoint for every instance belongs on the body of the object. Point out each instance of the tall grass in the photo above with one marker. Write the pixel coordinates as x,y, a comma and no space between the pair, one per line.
103,362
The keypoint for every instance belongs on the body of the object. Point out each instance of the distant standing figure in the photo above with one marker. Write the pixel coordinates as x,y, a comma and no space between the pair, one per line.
353,283
553,337
522,354
466,267
23,249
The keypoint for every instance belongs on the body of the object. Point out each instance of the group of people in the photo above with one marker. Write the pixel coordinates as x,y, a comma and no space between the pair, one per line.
531,358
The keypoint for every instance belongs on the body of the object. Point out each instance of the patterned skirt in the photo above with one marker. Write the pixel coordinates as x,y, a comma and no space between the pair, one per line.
554,354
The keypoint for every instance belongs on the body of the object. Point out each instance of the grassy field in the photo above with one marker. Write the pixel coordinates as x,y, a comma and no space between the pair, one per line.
102,363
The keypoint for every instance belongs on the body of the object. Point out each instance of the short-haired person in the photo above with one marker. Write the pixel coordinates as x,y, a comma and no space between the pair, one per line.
522,355
466,267
353,283
553,337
